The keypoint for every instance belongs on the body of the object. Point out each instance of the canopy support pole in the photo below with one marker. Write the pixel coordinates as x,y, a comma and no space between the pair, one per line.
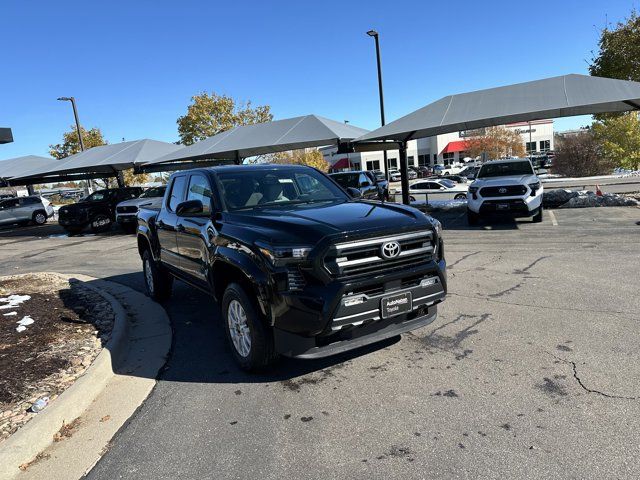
237,160
120,179
404,172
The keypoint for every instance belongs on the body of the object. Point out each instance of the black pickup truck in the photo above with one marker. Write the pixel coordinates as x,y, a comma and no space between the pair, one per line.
298,267
97,210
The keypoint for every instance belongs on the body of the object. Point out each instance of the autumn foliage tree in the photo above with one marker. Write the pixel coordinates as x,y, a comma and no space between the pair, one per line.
312,158
210,114
496,142
620,139
70,144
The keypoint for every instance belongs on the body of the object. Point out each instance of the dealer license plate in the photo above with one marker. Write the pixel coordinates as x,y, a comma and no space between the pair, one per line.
396,304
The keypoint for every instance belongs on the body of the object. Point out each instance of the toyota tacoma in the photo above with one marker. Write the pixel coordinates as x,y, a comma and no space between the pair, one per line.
298,267
508,187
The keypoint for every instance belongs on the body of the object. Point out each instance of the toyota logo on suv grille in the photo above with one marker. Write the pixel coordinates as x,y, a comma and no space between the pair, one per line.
502,190
390,250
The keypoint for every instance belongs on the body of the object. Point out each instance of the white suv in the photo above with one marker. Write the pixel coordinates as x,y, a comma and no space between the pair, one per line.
505,186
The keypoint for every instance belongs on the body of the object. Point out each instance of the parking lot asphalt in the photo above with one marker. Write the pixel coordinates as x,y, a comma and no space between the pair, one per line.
532,369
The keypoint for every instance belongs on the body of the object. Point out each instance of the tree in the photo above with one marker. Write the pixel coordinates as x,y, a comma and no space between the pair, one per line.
210,114
496,142
620,139
619,51
70,144
312,158
581,155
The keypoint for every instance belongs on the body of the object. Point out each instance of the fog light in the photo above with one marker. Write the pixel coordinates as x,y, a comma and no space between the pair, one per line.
350,302
427,282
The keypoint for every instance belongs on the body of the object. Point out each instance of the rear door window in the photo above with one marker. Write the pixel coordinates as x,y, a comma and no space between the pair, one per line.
177,192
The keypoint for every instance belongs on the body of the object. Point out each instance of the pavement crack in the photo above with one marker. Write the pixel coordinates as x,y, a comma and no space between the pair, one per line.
577,378
464,257
546,307
529,267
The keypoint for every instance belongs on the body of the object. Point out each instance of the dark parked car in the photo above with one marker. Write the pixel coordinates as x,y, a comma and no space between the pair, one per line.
298,267
363,181
383,184
98,210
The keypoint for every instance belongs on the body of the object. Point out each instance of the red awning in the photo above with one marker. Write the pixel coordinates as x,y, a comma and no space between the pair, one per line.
342,163
457,146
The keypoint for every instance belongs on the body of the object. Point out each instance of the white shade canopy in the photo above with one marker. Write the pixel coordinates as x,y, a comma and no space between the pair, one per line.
263,138
15,167
105,160
555,97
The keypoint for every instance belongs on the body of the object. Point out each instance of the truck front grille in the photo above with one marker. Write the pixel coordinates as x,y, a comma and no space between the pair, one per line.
127,209
295,279
504,191
360,257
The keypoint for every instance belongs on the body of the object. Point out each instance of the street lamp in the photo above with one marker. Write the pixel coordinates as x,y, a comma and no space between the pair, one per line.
75,114
374,34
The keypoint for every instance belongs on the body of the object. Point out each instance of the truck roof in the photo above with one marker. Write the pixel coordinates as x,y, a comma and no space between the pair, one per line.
239,168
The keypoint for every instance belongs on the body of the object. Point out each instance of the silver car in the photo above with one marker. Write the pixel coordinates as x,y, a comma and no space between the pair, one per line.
25,210
127,211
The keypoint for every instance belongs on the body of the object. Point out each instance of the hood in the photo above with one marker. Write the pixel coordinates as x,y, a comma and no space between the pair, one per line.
307,224
507,180
142,202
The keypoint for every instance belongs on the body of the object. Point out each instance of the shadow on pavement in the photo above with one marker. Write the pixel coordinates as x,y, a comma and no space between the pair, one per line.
457,220
50,229
199,351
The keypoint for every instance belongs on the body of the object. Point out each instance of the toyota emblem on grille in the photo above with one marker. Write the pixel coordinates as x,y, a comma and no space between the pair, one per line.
390,250
502,190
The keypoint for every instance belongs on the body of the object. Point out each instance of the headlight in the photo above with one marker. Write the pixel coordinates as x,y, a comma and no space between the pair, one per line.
473,191
534,188
436,225
283,255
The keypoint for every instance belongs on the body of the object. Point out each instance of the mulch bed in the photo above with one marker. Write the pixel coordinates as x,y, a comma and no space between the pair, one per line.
70,325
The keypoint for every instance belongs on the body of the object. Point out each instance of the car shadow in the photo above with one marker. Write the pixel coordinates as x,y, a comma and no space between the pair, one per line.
457,220
53,230
199,351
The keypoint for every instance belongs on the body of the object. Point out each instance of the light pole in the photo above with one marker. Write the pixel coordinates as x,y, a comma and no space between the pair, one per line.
75,115
374,34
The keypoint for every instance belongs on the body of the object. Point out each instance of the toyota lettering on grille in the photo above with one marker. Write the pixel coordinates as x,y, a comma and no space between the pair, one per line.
390,250
502,190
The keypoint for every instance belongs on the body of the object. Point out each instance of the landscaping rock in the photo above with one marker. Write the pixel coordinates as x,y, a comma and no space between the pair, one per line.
555,198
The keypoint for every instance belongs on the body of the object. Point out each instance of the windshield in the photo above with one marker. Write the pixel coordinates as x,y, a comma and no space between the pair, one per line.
98,196
448,183
254,189
154,192
347,179
504,169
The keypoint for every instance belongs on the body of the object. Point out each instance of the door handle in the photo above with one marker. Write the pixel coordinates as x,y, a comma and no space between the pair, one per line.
179,228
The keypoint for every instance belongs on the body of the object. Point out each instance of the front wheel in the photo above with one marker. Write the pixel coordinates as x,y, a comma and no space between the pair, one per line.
250,340
39,217
460,196
157,280
537,218
100,223
472,217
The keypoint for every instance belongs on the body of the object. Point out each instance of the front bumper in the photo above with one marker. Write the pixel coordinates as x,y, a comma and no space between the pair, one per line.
125,219
517,206
327,319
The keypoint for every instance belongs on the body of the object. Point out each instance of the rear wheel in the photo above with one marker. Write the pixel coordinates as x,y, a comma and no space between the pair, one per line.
39,217
250,339
100,223
472,217
537,218
157,280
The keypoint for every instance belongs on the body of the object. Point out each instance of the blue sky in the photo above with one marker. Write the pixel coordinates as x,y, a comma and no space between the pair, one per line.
133,65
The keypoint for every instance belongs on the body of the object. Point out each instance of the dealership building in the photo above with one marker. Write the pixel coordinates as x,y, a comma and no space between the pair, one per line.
537,137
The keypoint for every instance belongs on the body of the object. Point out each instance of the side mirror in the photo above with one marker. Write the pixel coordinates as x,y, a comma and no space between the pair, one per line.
190,207
354,192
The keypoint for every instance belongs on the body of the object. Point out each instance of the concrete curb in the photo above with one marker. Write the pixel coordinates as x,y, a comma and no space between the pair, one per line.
37,434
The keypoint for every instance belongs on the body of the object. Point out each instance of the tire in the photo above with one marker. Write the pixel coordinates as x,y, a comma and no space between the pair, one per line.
158,281
537,218
101,223
249,338
39,217
460,196
473,218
